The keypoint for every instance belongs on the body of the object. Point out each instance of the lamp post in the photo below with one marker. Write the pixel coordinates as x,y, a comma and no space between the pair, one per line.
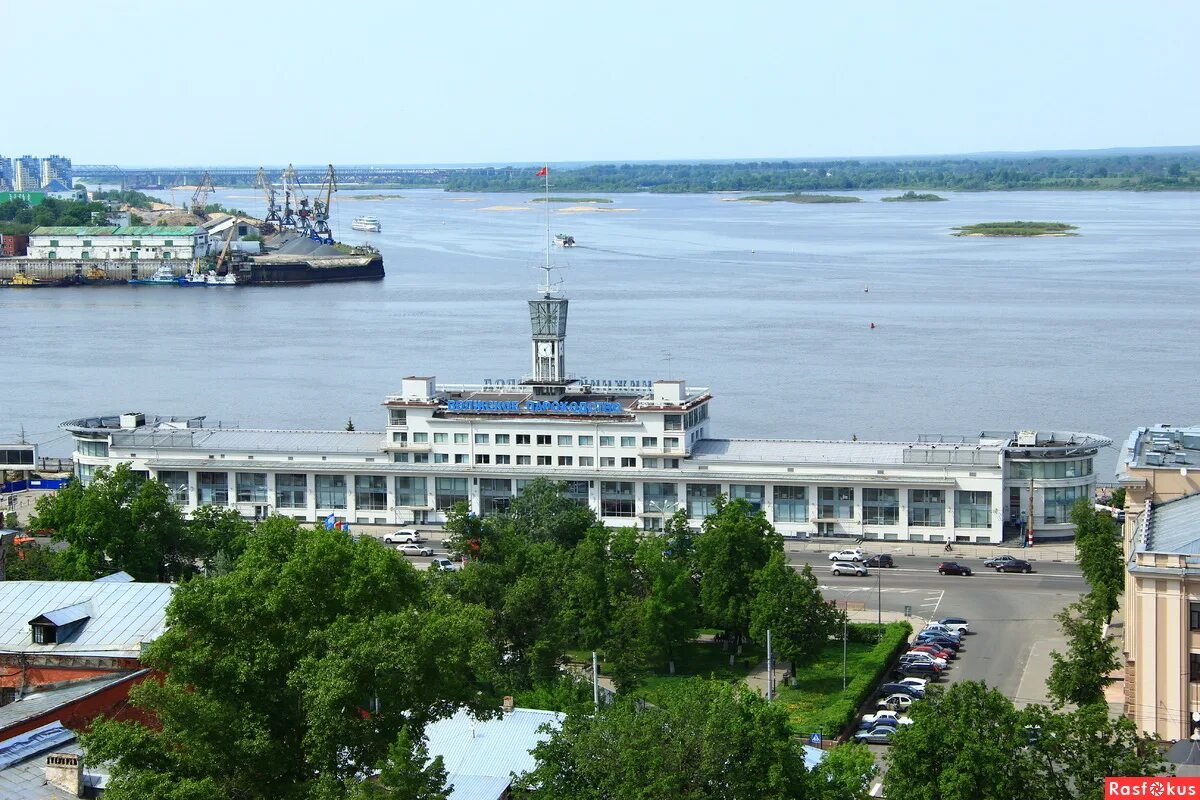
843,652
879,598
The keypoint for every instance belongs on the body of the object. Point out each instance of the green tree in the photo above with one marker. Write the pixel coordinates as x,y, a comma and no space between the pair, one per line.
219,530
965,743
33,563
1101,557
349,424
1118,498
789,604
705,739
316,658
1080,675
845,773
734,543
119,521
11,521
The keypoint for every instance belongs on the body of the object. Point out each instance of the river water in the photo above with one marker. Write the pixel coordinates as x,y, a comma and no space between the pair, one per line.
770,305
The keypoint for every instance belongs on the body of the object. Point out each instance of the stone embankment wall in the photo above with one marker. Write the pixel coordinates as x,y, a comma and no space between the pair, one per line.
53,269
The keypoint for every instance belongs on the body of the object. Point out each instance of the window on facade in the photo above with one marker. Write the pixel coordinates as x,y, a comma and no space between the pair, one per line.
441,458
927,508
791,503
881,506
585,441
701,498
650,463
565,461
544,461
166,255
291,491
628,462
649,442
577,492
400,458
85,254
972,509
85,473
543,439
410,491
564,441
177,485
670,442
524,460
481,438
608,461
751,493
482,458
1194,616
835,502
94,449
460,438
522,438
673,422
44,634
587,461
462,458
660,498
1194,667
439,438
1058,501
54,242
87,242
169,243
420,458
331,491
607,441
400,437
628,441
502,438
213,488
450,491
616,499
251,487
370,493
495,495
420,438
1072,468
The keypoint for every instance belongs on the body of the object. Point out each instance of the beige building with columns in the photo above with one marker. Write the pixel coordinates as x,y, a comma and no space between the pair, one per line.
1160,471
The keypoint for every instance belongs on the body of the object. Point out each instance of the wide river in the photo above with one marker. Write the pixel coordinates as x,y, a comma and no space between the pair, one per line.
770,305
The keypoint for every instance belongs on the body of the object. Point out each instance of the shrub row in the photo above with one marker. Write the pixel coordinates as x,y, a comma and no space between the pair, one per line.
840,711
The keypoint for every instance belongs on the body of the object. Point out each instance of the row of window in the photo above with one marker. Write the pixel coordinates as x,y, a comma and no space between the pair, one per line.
927,507
1077,468
671,422
503,459
135,243
542,440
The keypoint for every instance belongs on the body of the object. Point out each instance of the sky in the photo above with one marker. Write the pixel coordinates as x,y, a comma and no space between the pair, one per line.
527,81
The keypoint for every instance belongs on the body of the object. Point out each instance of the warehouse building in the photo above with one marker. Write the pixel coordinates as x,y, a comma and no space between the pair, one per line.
126,243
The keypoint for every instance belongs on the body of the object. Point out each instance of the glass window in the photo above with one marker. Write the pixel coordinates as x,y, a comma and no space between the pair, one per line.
670,442
1194,616
565,461
927,508
616,499
441,458
462,458
750,492
482,458
577,492
400,458
503,458
543,461
397,416
213,488
660,498
177,485
972,509
291,491
835,502
543,439
495,495
608,461
370,492
481,438
791,503
628,441
523,460
700,499
1058,501
650,463
1194,667
673,422
606,441
400,436
440,438
94,449
628,462
420,438
331,491
585,441
502,438
460,438
420,458
85,473
649,441
450,491
410,491
881,506
522,438
564,441
587,461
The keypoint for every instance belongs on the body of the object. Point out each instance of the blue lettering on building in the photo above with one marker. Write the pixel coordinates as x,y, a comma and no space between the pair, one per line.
534,407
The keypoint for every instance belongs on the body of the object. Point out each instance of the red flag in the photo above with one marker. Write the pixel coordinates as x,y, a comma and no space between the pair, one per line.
542,172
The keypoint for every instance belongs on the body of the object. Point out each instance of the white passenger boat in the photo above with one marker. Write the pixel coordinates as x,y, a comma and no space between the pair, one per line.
369,224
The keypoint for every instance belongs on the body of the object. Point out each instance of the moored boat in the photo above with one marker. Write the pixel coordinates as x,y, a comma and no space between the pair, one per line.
369,224
163,276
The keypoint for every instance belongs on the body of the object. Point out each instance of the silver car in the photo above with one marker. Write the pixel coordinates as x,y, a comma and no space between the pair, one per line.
848,568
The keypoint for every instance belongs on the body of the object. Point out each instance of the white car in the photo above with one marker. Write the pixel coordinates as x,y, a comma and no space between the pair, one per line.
896,702
916,683
443,563
957,624
924,658
403,536
853,554
414,550
848,568
886,715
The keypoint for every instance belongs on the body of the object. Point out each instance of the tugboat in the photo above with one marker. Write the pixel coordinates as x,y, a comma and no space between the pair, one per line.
562,240
163,276
27,282
96,276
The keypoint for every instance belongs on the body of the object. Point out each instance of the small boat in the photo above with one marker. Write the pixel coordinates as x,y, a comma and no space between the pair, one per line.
369,224
193,279
25,281
163,276
562,240
213,279
96,276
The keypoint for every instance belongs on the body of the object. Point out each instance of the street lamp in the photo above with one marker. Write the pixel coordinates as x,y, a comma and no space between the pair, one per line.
843,651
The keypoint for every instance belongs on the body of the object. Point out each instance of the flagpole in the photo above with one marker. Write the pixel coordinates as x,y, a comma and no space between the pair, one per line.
546,169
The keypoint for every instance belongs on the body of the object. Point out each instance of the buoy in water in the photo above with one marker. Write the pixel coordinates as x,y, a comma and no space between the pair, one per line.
872,325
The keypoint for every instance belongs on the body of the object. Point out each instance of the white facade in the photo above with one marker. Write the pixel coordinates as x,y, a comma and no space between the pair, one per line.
119,243
26,174
634,452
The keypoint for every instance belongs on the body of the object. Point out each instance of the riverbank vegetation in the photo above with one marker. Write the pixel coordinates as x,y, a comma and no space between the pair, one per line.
18,218
1016,228
913,197
798,197
128,197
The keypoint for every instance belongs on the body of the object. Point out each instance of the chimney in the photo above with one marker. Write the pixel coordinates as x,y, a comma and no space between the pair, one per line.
65,771
508,704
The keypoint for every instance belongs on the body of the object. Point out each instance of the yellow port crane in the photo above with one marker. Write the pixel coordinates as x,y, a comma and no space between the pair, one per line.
200,196
321,207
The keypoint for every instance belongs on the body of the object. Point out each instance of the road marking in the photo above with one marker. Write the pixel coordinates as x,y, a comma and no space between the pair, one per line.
990,574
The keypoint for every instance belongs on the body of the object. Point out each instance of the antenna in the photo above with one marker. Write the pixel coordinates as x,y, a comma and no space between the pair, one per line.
667,356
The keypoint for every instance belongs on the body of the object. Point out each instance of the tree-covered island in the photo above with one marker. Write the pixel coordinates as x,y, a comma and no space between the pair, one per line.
914,197
800,197
1017,228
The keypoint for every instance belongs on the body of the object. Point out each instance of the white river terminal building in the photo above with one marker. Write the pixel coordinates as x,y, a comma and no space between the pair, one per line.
633,451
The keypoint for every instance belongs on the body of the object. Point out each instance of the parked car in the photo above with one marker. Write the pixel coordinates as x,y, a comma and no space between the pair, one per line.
1016,565
415,549
935,650
881,560
895,702
902,688
920,670
403,536
911,657
939,628
940,641
443,563
953,568
852,554
879,735
848,568
885,716
996,561
916,683
955,624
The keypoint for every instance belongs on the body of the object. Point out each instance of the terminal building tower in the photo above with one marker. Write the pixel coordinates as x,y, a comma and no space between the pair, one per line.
548,317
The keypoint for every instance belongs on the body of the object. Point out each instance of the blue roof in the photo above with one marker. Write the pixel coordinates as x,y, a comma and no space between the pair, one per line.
66,615
116,577
481,756
1171,527
30,743
813,756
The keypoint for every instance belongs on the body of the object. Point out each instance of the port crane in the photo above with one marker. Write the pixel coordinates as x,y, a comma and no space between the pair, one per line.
272,222
321,231
225,249
301,218
200,196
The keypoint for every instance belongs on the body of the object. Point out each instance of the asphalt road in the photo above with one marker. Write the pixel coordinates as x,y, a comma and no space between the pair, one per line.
1011,615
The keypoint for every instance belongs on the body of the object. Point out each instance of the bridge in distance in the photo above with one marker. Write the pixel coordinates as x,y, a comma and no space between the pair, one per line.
147,177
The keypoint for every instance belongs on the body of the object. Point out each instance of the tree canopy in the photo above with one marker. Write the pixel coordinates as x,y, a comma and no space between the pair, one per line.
1080,675
1101,556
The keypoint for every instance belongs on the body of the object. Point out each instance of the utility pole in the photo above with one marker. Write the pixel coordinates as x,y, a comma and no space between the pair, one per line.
770,668
879,598
1029,526
843,653
595,682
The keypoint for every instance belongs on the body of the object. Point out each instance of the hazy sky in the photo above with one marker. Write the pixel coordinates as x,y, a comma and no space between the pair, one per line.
438,81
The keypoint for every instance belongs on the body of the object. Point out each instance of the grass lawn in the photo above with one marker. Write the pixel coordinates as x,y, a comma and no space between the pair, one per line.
819,685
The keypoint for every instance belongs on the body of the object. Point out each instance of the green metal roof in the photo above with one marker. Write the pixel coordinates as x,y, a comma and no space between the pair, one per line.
72,231
158,230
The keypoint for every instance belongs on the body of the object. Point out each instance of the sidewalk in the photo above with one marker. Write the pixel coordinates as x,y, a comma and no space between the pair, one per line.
1063,551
